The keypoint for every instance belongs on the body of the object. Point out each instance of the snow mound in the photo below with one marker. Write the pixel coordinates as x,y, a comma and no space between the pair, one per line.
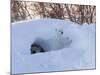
77,51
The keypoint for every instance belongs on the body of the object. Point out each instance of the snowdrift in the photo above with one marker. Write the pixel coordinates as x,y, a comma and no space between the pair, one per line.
79,54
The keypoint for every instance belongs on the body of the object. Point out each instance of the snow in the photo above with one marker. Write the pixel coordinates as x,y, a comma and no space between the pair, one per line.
77,51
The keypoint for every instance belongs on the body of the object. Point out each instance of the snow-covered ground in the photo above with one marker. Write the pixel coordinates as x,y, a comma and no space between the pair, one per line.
74,55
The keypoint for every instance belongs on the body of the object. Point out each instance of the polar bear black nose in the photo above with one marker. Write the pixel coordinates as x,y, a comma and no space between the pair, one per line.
61,32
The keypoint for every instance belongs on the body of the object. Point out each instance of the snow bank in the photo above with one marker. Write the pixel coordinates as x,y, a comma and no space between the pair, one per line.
79,54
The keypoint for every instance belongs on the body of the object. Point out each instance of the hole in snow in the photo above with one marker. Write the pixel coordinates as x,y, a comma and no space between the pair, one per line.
41,45
35,48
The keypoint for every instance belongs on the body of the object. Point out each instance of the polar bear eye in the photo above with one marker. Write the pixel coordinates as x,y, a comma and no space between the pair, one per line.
61,32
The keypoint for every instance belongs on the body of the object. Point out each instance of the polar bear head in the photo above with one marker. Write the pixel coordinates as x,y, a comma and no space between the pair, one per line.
59,30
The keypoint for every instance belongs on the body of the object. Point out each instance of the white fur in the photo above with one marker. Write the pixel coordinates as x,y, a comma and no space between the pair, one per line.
58,42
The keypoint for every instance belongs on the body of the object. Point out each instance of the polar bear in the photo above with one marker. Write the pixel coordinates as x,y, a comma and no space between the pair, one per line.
61,40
